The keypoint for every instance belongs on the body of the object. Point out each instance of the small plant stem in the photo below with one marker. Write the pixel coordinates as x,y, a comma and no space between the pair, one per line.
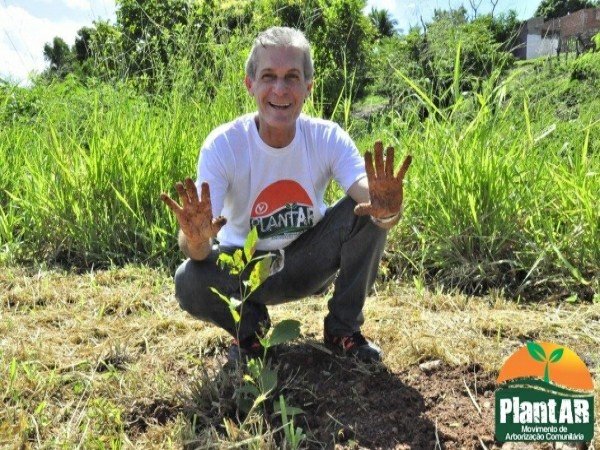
471,397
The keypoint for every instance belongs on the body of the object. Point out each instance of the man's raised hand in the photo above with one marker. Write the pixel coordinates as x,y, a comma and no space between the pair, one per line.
385,189
195,214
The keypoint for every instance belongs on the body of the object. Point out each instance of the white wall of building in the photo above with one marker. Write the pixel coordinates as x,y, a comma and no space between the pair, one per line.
538,46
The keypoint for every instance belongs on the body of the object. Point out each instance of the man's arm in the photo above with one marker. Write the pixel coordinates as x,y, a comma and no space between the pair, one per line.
359,191
194,250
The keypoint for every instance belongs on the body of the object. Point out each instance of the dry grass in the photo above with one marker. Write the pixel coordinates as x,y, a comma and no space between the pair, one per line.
107,359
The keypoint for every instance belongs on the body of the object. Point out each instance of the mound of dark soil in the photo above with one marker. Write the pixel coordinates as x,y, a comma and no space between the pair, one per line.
351,405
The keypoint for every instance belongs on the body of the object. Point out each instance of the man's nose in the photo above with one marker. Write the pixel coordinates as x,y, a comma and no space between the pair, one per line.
280,86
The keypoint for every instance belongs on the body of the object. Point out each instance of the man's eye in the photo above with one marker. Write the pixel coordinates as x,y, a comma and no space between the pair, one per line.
268,76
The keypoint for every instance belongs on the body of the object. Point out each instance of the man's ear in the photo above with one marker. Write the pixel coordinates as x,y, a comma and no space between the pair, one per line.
309,86
248,83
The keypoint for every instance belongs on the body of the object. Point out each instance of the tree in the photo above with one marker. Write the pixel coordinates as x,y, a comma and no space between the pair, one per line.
148,28
475,4
82,47
155,43
431,60
551,9
454,17
383,22
341,49
505,28
59,55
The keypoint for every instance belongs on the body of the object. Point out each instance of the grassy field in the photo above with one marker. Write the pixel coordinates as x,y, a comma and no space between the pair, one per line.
502,192
107,359
500,244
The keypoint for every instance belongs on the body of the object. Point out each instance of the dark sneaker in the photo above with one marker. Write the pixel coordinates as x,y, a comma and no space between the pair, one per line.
355,345
248,348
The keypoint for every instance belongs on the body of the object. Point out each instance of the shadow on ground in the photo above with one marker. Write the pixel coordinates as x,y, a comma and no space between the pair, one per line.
347,404
347,401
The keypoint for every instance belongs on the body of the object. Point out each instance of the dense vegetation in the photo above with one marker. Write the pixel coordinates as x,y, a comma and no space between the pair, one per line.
550,9
504,185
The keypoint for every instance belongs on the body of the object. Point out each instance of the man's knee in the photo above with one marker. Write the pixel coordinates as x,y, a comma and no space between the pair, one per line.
188,286
346,206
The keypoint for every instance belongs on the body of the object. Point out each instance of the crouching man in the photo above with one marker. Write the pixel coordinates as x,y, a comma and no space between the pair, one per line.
269,170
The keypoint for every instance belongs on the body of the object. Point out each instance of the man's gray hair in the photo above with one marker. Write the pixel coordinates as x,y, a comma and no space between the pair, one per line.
280,37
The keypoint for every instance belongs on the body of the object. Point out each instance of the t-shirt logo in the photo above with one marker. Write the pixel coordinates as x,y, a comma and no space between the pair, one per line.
281,209
261,208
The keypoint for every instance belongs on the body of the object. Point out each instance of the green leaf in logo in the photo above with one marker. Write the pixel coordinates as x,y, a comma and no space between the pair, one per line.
536,351
556,355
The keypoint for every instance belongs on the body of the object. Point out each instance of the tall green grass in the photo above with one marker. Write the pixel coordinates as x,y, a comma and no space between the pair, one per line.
503,192
81,177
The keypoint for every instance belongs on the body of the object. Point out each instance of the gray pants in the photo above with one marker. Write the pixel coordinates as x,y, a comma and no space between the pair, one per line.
341,241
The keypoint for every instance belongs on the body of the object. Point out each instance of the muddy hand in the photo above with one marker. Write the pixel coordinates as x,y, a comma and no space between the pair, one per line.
195,214
385,189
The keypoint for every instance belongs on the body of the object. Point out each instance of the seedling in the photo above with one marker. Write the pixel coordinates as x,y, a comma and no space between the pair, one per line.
260,379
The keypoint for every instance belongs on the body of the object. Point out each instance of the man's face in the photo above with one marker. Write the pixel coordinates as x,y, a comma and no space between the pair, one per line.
279,87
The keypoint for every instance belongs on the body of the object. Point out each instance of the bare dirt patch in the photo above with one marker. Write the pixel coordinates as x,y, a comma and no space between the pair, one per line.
356,405
350,405
144,413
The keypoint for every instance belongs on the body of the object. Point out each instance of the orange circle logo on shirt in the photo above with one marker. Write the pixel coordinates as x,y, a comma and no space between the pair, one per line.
278,195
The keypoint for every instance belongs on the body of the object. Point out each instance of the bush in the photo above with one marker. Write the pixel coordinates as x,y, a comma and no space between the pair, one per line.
587,68
452,57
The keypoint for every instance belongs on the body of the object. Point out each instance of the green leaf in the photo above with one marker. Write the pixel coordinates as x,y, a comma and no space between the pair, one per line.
284,331
260,399
254,366
235,314
556,355
248,389
291,410
221,296
283,411
259,273
574,271
40,407
230,303
571,299
250,244
238,261
536,351
225,260
267,380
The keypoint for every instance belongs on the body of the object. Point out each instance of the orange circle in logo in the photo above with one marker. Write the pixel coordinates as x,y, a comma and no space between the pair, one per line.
562,365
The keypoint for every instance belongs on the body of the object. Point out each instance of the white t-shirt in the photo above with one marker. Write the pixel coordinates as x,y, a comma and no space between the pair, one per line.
278,190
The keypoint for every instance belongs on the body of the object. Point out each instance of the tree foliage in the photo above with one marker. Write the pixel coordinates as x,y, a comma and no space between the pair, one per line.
153,41
59,55
383,22
551,9
452,56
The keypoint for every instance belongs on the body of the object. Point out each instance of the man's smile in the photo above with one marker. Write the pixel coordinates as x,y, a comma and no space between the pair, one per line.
280,105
